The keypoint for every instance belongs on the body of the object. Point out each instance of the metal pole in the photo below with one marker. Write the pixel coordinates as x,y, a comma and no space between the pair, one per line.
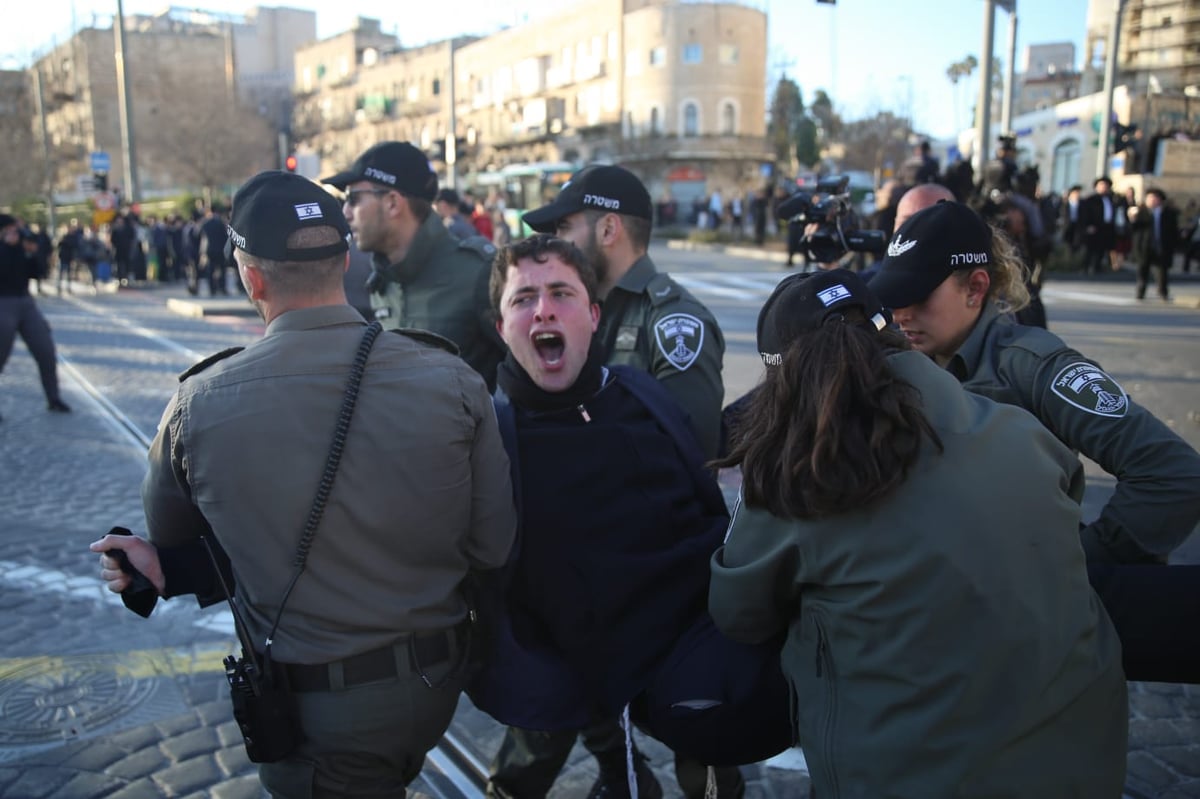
51,222
1010,85
452,136
983,113
128,149
1110,75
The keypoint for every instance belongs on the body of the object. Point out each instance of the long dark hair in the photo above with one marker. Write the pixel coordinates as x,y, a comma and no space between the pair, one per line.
831,428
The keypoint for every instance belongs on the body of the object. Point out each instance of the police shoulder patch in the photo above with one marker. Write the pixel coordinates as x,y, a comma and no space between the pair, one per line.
480,246
428,337
200,366
1087,387
680,337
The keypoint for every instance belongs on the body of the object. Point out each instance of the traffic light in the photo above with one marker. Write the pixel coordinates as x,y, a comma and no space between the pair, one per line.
1125,136
290,163
100,181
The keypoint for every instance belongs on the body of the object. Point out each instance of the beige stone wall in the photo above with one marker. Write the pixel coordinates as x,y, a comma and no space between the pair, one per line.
577,86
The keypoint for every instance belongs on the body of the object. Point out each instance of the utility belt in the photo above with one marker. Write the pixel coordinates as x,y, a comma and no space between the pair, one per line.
411,654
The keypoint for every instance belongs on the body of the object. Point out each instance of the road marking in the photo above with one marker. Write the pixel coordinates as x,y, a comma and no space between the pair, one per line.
1087,296
25,576
137,664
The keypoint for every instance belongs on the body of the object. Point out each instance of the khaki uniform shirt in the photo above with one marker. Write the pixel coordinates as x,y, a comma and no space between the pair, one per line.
652,323
422,493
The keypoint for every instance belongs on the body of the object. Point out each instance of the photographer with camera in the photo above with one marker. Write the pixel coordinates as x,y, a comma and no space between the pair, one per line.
823,227
355,639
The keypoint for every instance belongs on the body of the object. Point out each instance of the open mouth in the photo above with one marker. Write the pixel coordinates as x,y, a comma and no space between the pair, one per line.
549,347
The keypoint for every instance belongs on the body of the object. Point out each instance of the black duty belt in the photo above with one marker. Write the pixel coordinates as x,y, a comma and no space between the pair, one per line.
407,655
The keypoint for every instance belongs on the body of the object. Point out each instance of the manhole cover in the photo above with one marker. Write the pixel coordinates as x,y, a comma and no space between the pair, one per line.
51,699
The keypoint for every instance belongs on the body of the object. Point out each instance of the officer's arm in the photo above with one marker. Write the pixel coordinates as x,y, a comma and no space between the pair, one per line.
493,513
1156,502
753,592
696,386
174,524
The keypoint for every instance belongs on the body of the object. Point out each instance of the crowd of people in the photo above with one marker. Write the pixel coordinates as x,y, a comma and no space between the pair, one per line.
521,503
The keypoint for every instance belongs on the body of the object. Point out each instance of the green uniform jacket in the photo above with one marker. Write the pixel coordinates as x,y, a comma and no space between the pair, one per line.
944,641
422,494
442,286
1156,502
652,323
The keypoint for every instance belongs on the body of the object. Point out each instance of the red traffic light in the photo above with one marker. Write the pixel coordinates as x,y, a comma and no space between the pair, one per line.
290,163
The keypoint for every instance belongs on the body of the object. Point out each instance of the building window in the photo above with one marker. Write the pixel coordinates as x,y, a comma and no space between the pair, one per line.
692,54
1065,172
728,119
691,119
633,63
728,54
437,87
655,122
658,56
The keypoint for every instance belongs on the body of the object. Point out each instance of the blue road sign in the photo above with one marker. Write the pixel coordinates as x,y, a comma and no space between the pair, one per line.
100,162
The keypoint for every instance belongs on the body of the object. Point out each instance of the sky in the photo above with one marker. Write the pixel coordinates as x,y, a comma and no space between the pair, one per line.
868,55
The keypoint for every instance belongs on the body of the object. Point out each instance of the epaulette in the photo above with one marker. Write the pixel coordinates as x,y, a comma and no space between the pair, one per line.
428,337
209,361
479,245
662,289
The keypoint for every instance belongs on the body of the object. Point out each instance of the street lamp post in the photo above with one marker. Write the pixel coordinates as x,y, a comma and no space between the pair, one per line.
1110,74
128,150
983,113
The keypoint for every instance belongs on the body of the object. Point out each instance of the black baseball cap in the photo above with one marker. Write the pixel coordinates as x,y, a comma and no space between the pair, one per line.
602,188
394,164
930,246
273,205
803,302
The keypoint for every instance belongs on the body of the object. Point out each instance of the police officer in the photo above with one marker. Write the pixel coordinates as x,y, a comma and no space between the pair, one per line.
958,314
19,311
649,320
370,635
999,173
423,277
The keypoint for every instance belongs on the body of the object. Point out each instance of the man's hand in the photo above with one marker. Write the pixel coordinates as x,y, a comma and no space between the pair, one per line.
142,555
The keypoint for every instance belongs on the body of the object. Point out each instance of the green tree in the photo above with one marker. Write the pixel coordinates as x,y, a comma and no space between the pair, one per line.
827,118
808,150
787,110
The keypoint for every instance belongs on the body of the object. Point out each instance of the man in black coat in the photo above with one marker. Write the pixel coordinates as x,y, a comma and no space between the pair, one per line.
1155,236
1097,219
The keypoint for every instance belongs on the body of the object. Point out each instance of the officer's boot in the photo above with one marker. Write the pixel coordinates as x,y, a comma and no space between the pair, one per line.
613,782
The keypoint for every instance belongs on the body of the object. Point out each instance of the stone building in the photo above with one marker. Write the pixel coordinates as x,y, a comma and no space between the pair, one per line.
674,90
185,67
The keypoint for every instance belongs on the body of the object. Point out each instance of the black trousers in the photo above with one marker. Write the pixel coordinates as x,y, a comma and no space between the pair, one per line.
529,761
1161,264
1156,612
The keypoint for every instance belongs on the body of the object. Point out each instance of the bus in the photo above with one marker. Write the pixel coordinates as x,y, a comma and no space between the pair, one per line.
523,188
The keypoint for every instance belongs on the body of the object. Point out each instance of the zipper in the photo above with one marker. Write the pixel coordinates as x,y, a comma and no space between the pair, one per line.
824,669
583,412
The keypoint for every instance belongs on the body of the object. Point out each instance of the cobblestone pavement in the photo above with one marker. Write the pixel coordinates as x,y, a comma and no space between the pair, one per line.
95,702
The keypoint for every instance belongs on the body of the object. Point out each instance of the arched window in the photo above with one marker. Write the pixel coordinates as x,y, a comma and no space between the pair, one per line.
691,119
1065,172
655,122
728,119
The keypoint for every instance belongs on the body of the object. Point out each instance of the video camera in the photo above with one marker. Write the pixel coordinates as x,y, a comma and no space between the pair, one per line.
828,206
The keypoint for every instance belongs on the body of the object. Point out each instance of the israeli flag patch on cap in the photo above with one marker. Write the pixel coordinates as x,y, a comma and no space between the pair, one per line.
832,294
309,211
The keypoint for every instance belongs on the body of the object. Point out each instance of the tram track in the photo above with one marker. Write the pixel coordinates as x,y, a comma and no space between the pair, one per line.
452,769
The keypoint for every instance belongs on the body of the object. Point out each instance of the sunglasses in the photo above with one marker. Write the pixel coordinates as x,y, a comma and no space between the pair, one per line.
353,197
